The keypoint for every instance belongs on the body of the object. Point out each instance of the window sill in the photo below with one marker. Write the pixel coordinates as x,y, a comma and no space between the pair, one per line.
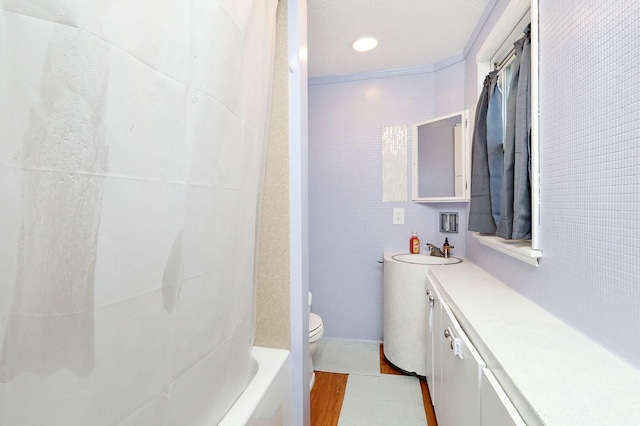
518,249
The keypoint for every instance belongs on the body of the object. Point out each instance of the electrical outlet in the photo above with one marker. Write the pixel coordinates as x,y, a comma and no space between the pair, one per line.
398,216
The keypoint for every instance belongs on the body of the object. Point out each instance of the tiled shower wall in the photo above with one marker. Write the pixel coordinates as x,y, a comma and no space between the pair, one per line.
273,290
590,173
349,225
132,144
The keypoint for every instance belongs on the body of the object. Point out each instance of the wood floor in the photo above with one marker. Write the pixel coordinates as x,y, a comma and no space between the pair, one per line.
328,392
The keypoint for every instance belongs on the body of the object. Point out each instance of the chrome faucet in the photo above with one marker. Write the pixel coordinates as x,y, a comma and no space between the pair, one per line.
434,251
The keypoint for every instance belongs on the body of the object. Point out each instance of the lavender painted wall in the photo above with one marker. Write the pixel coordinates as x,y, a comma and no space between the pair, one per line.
349,225
590,185
448,94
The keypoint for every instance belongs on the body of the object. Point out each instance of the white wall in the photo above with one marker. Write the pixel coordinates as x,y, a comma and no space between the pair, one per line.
130,166
590,186
298,208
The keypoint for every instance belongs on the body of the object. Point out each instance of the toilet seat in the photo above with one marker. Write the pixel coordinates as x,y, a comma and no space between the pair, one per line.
316,331
315,326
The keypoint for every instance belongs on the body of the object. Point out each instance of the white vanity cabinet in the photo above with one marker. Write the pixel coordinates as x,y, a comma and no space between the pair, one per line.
433,360
463,391
495,406
550,382
433,306
461,372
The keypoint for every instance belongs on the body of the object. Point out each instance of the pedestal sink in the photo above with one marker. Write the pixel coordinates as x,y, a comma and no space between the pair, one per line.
405,318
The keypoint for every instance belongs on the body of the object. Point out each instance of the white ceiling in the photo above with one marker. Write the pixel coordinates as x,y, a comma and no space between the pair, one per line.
411,33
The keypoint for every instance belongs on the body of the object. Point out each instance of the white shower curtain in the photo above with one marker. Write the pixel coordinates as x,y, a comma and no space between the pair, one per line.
133,138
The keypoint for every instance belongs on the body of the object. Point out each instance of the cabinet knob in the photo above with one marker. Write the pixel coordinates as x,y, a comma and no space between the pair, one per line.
447,333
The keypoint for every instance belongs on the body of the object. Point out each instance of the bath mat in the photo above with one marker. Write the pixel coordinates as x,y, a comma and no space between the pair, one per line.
382,400
347,356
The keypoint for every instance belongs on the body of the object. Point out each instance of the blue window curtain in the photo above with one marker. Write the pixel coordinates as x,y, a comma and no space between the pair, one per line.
480,211
495,150
501,167
515,208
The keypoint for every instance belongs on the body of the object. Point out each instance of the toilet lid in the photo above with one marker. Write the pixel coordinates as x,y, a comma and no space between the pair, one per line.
315,322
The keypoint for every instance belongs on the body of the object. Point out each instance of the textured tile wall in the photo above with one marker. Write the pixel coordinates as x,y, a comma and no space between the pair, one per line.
590,132
590,174
349,225
273,294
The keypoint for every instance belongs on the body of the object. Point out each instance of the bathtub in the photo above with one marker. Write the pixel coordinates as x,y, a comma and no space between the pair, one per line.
266,400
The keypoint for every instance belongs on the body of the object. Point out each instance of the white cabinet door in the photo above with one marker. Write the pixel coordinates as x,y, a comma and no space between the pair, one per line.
495,406
433,345
461,374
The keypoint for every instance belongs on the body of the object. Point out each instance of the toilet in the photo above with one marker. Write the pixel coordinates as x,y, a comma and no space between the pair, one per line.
316,331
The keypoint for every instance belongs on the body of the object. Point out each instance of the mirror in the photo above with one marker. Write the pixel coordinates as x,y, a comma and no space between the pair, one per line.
440,158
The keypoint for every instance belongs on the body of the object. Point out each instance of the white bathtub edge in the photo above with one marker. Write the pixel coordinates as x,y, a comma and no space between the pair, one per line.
271,386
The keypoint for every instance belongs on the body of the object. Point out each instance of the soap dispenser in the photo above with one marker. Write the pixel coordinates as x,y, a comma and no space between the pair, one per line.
414,243
446,248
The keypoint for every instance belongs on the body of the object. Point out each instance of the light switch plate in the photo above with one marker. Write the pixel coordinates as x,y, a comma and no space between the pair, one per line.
398,216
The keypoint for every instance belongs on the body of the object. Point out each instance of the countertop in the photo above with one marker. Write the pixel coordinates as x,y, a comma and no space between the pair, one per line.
554,374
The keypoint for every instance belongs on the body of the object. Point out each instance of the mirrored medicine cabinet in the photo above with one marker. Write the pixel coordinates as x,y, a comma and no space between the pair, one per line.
441,159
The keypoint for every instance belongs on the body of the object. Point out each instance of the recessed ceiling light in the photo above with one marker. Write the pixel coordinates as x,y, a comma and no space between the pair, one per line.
365,44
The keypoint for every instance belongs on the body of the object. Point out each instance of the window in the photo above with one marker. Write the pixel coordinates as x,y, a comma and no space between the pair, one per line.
503,61
496,51
504,80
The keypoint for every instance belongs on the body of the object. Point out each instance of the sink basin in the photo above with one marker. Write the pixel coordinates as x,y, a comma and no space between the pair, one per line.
423,259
